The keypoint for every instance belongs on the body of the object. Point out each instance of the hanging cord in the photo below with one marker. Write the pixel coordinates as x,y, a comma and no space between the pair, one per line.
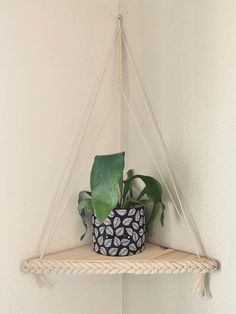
75,183
162,145
157,167
202,287
55,208
119,55
155,126
42,279
119,67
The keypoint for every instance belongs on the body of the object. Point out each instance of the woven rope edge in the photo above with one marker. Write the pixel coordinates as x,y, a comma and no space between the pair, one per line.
38,266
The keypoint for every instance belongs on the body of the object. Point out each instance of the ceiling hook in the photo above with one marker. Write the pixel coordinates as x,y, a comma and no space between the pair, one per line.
119,18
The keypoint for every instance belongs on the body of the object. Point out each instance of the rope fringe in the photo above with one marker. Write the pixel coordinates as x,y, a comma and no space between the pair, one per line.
43,281
202,288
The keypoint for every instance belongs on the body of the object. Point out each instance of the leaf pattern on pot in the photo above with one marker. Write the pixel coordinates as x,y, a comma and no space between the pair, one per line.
137,216
109,230
141,231
121,234
135,225
116,241
139,243
135,236
127,221
93,220
111,214
101,230
129,231
141,212
107,222
108,242
113,251
132,247
119,231
103,250
131,211
100,240
143,238
116,222
125,242
123,251
97,222
141,221
121,212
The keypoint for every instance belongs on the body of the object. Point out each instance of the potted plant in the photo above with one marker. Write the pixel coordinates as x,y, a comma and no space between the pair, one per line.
117,206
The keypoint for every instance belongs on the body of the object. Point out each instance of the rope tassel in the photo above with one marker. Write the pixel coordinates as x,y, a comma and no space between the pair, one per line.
43,281
202,288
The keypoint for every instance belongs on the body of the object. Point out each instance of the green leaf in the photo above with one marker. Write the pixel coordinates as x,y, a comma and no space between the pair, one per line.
130,173
162,214
84,194
154,213
85,201
142,193
145,201
133,201
84,205
107,172
128,186
153,188
82,215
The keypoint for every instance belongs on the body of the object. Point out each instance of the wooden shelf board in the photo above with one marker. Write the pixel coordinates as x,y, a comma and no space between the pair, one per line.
154,259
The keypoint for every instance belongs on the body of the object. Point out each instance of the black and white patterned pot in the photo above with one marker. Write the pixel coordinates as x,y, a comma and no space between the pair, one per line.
121,234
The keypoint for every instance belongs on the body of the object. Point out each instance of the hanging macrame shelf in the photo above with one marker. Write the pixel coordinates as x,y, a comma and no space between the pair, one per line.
154,260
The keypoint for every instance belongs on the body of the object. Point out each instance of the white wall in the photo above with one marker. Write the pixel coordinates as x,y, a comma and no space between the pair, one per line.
185,51
50,56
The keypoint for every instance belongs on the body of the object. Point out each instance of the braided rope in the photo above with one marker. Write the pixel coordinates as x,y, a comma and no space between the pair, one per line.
119,57
41,266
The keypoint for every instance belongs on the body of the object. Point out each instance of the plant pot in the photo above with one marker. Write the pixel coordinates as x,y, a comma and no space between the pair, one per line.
121,234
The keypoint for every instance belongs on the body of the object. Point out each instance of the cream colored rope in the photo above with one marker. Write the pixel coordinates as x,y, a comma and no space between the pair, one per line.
38,266
119,56
202,285
57,209
72,189
184,222
163,148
